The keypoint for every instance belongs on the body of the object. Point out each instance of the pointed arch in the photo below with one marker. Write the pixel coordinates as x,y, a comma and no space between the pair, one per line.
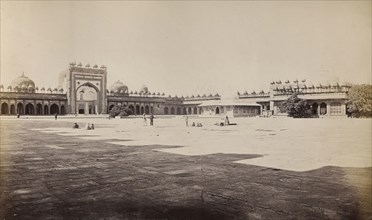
30,110
142,110
54,109
39,109
217,111
4,109
323,108
20,108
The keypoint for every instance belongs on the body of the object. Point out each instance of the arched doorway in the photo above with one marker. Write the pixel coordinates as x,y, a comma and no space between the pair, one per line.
195,111
142,110
184,111
217,111
147,109
189,111
20,108
39,109
172,111
46,110
12,109
323,108
87,99
138,110
4,109
314,108
166,111
63,111
30,109
178,111
152,110
54,109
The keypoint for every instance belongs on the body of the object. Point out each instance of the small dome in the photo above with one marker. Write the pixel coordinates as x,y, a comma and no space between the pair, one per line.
118,87
22,82
144,89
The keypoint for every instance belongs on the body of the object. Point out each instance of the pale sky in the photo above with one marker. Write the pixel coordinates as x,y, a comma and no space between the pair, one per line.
187,48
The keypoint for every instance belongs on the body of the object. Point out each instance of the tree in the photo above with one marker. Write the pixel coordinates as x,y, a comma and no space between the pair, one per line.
296,107
360,101
120,110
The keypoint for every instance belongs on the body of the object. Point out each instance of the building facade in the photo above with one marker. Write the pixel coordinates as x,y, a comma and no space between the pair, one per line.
83,90
325,100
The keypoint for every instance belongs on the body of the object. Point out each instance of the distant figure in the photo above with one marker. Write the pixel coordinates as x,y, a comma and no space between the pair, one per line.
151,120
193,124
75,126
199,125
92,127
227,122
55,116
17,115
144,119
187,121
87,126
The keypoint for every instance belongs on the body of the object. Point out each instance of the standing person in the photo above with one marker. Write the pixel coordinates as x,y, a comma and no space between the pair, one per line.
87,126
227,120
144,119
55,116
187,121
92,126
151,120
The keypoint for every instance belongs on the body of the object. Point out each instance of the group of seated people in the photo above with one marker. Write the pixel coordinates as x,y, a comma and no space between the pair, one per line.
197,124
87,126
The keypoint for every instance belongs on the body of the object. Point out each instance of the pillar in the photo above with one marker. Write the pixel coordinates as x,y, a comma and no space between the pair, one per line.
328,109
343,108
318,109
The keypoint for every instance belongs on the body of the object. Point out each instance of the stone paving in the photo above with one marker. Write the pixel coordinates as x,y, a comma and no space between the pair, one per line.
131,171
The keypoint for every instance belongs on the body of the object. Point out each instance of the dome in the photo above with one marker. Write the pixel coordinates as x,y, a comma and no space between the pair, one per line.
118,87
23,82
144,89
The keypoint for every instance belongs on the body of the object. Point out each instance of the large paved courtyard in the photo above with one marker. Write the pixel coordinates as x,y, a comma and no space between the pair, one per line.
277,168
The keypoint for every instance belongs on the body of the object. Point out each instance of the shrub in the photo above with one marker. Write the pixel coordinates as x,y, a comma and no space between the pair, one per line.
360,101
119,110
296,107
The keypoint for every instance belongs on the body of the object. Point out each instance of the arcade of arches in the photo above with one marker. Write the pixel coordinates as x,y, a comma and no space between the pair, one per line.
32,109
328,108
139,109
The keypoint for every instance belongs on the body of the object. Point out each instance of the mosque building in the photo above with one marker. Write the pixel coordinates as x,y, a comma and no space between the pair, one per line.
83,90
